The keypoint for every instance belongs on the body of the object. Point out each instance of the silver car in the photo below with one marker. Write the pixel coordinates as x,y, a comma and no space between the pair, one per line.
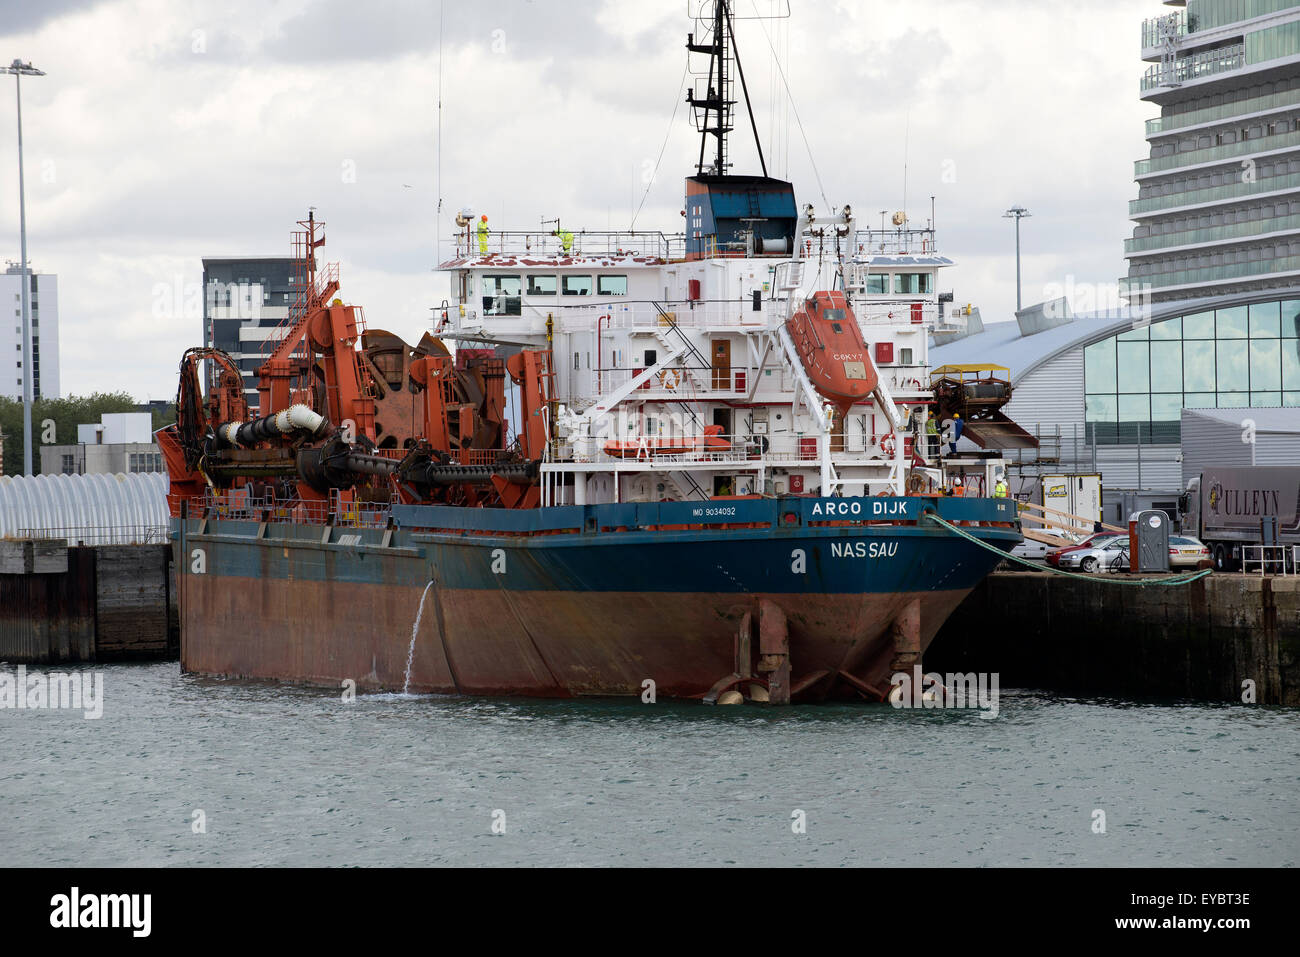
1099,558
1187,552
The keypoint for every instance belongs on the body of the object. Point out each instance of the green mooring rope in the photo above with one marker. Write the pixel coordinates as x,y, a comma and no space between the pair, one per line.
1185,579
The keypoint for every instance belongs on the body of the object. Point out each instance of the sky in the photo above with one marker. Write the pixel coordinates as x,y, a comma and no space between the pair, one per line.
169,130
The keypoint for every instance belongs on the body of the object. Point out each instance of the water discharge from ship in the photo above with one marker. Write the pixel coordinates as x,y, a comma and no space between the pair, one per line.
415,630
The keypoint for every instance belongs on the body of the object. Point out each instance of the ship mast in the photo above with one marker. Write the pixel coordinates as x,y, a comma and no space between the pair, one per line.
714,110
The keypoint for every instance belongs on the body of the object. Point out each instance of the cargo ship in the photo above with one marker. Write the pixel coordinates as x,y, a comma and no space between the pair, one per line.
622,463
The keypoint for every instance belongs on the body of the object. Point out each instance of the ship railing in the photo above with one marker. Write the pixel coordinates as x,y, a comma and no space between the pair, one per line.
697,314
898,311
586,242
894,242
687,380
79,535
737,449
737,314
240,505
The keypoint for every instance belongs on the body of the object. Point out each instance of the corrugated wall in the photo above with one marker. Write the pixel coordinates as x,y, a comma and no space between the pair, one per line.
1208,441
1278,449
1051,395
85,509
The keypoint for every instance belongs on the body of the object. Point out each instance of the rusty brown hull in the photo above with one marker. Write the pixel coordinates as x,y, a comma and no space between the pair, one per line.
543,644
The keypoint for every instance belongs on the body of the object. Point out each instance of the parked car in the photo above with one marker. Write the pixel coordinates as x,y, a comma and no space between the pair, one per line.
1096,558
1186,552
1030,549
1093,541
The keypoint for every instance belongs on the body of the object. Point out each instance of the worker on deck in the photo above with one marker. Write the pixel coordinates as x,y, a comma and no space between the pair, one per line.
566,240
958,426
931,436
958,489
483,232
1000,490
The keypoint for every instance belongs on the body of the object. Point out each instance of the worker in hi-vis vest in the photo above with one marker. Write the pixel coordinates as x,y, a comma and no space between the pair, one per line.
1000,490
931,436
483,233
566,240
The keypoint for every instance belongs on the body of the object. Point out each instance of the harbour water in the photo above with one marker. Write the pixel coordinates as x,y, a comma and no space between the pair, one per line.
292,776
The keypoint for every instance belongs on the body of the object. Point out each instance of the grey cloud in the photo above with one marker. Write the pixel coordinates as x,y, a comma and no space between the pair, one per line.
25,16
344,30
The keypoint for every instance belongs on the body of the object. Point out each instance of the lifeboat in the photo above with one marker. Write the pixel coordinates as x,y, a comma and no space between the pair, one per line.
645,446
829,342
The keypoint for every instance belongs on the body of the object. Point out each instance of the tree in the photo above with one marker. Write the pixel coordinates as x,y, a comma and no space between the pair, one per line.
54,422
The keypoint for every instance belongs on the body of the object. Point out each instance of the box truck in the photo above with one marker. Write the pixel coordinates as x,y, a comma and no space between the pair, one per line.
1232,508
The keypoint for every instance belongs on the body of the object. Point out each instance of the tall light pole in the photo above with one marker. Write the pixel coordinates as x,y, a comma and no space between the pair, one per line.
1017,213
20,69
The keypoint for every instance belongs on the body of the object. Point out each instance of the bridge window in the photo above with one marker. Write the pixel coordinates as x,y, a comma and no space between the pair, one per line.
611,285
878,284
541,285
913,283
577,285
501,295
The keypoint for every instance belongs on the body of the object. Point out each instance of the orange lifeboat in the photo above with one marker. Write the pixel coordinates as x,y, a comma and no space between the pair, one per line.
829,342
644,447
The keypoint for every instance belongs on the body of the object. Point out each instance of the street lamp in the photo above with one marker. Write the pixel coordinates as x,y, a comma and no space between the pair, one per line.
1017,213
19,69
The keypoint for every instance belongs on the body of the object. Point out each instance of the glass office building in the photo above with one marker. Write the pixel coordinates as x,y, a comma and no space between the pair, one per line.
1218,206
1137,383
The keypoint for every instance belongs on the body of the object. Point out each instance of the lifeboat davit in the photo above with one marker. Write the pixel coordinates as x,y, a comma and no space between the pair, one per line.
645,446
830,345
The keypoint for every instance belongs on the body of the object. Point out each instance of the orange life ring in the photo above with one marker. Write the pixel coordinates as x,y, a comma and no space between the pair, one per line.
670,379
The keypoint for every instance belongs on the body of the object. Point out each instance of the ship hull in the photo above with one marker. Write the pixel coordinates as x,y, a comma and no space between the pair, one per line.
562,614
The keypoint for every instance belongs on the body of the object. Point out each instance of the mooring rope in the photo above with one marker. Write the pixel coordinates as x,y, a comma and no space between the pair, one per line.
1185,579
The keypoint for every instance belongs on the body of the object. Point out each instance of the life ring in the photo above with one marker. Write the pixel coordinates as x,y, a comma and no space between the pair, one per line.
670,379
916,483
888,446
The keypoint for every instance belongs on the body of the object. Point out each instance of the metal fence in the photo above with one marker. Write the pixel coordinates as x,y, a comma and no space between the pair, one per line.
1271,559
99,534
237,505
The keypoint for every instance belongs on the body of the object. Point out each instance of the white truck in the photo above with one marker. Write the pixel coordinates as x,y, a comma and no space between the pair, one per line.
1065,495
1235,510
